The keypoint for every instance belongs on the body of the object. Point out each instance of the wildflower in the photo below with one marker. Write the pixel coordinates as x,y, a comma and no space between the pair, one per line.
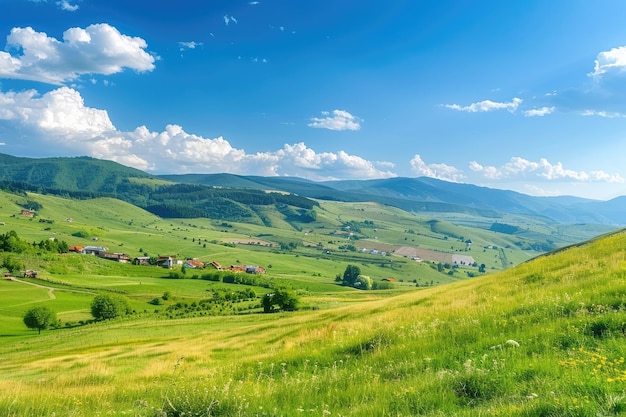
512,343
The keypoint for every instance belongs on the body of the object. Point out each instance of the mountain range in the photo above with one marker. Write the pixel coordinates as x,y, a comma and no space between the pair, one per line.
88,177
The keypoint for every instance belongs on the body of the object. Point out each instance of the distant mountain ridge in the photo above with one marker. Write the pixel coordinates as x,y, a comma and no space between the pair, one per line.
430,194
85,176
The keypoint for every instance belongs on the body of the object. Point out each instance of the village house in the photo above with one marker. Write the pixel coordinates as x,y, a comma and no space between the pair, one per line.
248,269
27,213
166,261
94,250
193,263
141,260
216,265
118,257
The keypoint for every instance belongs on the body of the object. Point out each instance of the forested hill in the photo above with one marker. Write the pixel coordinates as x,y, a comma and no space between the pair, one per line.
85,177
214,195
82,174
429,194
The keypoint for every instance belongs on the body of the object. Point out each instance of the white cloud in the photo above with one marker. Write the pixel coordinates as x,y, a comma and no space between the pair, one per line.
487,105
60,122
608,115
440,171
543,169
228,19
340,120
189,45
60,112
540,112
254,3
65,5
613,60
97,49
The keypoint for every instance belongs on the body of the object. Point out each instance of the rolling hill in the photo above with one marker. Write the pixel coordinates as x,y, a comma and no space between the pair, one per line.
545,338
89,177
429,194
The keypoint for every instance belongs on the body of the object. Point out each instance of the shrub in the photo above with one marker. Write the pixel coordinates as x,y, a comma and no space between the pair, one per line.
104,307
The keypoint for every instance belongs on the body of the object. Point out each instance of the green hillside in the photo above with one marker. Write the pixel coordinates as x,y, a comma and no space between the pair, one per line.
545,338
68,174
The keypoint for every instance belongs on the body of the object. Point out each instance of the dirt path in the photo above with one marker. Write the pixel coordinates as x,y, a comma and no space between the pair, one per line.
50,289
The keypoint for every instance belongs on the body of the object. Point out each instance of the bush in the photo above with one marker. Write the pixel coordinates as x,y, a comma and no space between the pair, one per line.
104,307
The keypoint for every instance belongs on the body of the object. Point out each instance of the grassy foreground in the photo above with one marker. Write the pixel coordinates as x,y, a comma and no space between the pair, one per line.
546,338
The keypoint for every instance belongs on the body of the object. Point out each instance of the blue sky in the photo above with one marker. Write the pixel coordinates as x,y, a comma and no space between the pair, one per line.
528,96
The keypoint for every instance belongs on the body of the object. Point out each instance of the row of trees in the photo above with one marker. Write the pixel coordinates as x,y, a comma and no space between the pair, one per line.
11,242
103,307
107,307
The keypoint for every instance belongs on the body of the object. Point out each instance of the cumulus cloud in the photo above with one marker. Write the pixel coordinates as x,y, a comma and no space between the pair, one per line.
487,105
540,112
60,112
613,60
339,120
439,171
97,49
59,120
543,169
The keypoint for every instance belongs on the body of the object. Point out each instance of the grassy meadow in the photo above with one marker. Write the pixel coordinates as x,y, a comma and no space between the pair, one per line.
543,337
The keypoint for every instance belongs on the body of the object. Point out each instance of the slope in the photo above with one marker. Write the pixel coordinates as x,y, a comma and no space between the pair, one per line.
543,339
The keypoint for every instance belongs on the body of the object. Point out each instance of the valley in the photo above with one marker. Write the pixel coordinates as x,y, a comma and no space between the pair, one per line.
466,315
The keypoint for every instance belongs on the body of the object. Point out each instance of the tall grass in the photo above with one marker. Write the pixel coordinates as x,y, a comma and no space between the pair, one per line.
543,339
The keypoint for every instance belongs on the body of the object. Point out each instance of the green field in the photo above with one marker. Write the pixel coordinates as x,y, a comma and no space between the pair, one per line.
541,338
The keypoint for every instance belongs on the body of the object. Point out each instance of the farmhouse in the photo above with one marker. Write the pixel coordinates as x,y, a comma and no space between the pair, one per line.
193,263
118,257
94,250
166,261
141,260
216,265
248,269
27,213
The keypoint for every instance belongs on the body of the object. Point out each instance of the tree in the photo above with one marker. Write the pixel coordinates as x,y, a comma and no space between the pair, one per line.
104,307
364,282
39,318
481,268
284,298
12,264
351,274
